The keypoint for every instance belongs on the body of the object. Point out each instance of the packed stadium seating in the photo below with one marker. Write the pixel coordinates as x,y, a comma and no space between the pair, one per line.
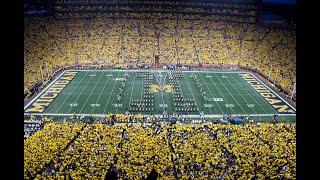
236,10
44,145
87,151
52,43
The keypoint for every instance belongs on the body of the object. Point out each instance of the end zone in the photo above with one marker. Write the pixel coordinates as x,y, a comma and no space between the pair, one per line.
276,101
44,99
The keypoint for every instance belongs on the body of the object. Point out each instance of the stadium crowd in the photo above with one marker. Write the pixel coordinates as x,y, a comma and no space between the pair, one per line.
123,43
132,146
89,151
236,10
44,145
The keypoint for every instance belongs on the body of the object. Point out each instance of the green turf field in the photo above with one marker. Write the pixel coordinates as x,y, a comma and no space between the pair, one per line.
96,92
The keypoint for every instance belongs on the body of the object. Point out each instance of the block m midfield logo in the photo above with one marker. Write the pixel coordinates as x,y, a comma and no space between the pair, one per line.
166,88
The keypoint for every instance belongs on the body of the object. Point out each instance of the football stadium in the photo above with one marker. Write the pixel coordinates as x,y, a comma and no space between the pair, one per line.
147,89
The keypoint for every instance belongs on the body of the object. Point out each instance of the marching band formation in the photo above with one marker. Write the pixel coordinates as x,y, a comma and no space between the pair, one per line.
181,104
146,103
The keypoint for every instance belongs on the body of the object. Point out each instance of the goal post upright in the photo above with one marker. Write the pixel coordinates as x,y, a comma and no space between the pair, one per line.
156,60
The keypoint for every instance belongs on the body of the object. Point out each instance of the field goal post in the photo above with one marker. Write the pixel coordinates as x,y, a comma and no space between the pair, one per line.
156,60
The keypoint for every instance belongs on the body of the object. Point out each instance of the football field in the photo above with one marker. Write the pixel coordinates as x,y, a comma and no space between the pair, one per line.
157,92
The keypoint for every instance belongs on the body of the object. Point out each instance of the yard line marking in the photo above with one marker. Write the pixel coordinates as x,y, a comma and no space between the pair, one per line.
81,93
231,95
44,90
159,82
70,94
214,84
244,87
211,94
131,91
105,85
208,107
160,73
240,95
121,97
190,91
220,93
85,103
141,94
115,82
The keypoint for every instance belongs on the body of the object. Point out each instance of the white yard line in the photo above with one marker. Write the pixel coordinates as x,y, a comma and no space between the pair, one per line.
162,91
134,79
81,93
211,94
26,106
141,94
105,85
191,90
159,82
164,79
118,105
230,94
254,99
204,107
221,94
85,103
70,93
240,95
115,82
